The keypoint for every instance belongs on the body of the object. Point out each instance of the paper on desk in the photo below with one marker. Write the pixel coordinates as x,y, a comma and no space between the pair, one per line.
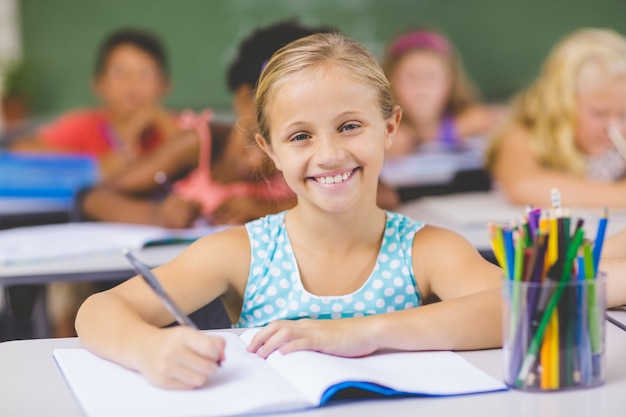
433,166
242,385
41,243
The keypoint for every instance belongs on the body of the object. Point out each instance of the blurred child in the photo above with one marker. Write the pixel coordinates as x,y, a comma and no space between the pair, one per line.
130,78
230,182
440,105
557,136
334,274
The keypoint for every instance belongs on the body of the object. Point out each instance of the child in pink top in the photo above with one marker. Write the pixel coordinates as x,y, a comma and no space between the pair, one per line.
130,79
200,186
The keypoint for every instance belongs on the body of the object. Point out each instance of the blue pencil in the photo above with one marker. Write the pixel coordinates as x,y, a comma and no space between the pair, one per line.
509,251
597,246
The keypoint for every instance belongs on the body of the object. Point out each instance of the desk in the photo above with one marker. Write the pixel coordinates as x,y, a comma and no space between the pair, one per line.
23,211
93,268
38,389
108,266
617,316
28,317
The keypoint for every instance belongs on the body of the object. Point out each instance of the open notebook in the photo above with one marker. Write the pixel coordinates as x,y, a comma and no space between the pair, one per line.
248,384
48,242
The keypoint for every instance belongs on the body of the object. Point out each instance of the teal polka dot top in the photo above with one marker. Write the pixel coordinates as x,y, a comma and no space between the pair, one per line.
275,292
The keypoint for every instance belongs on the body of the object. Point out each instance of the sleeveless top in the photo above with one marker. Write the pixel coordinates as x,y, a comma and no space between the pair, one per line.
274,290
200,186
608,167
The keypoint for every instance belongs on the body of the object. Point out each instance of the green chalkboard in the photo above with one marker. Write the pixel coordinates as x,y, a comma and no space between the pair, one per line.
502,42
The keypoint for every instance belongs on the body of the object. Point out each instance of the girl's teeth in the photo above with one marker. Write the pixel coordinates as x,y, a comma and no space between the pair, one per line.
334,179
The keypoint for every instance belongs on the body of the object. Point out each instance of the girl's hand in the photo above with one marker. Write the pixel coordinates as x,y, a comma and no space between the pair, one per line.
180,358
176,213
343,337
238,210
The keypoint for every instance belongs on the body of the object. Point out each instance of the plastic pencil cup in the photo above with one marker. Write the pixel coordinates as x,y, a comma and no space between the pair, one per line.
553,333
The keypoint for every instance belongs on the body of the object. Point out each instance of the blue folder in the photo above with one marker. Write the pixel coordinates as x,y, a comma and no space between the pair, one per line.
45,175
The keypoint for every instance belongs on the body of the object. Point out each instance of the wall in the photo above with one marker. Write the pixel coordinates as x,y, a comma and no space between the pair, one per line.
502,42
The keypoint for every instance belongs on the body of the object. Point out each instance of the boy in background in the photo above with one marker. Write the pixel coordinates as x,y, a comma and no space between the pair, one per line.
130,78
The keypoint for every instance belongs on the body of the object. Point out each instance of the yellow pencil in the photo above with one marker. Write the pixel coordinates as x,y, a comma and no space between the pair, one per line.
497,244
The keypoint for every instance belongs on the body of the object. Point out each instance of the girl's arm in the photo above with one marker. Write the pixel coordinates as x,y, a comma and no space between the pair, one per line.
107,204
613,262
127,196
615,269
525,181
123,324
446,265
479,120
174,158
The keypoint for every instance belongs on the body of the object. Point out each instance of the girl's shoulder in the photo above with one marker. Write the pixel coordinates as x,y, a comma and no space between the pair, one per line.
438,239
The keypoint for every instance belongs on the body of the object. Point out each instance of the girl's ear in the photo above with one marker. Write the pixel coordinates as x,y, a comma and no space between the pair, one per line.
267,148
391,126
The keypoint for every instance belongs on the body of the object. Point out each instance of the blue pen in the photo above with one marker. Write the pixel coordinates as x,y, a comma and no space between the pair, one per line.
597,246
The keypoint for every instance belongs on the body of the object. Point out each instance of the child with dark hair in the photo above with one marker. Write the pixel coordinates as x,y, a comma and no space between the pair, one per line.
226,177
130,78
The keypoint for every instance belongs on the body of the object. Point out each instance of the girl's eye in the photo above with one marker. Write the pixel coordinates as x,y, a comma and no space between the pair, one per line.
349,126
300,137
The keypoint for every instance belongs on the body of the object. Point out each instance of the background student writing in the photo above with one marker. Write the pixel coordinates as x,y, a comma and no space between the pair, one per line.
336,255
230,180
558,132
441,107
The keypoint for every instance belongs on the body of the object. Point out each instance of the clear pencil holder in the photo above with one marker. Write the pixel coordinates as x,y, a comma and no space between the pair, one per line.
553,334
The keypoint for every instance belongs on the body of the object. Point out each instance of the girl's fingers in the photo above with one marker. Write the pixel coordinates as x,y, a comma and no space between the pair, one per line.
209,347
276,336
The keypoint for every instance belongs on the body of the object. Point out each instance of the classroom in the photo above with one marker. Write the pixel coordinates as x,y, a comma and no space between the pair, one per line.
136,168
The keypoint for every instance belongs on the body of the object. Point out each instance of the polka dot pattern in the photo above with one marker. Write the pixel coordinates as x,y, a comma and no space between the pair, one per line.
274,290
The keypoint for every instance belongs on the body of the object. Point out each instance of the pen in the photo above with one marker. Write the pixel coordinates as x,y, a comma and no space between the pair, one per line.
161,178
597,247
151,280
618,139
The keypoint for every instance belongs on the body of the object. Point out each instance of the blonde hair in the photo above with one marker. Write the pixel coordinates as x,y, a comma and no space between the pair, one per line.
463,93
548,108
300,57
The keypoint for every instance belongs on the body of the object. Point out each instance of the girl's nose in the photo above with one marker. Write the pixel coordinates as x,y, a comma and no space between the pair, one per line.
329,151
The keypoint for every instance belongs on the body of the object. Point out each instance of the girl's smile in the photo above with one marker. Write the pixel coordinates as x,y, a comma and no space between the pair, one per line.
335,178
